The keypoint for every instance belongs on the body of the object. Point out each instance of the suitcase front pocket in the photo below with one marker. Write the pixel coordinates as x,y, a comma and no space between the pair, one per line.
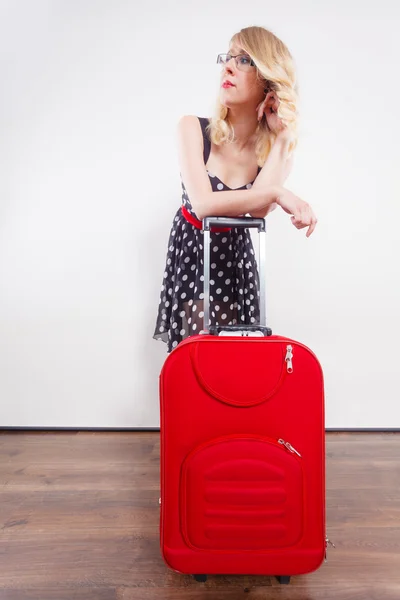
242,492
220,364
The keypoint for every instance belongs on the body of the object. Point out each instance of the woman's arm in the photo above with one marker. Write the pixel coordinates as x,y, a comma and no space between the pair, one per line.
205,202
275,171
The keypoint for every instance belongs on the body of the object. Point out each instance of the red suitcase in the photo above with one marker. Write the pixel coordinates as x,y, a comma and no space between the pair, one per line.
242,456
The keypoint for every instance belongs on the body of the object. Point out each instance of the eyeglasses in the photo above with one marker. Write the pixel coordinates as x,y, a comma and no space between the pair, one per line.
243,62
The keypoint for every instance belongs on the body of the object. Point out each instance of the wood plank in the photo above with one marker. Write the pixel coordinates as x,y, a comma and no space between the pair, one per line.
80,520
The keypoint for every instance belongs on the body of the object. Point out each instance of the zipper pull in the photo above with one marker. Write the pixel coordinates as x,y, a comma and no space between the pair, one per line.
328,543
289,447
288,358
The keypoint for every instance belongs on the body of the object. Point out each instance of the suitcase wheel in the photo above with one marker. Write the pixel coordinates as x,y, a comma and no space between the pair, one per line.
201,578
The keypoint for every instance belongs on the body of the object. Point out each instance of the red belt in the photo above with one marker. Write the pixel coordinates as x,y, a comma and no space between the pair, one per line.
197,223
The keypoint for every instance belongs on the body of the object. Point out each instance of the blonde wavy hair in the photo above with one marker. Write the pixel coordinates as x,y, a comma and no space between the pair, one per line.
275,66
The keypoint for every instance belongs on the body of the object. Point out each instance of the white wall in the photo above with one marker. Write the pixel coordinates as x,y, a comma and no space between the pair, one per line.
91,94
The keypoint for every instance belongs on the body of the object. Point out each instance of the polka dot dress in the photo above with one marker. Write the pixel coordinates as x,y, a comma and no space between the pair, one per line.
234,280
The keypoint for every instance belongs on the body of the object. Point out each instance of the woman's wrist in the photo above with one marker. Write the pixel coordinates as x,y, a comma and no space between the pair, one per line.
265,196
283,140
279,189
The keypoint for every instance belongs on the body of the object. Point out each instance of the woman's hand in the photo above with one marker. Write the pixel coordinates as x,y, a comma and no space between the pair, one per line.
269,107
302,212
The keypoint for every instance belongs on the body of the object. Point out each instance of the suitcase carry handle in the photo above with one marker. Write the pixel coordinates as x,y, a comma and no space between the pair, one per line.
247,222
209,222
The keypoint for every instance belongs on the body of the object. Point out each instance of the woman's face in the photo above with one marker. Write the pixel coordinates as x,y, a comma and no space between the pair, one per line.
247,88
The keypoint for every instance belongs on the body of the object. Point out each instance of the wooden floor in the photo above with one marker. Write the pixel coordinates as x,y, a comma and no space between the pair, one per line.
79,519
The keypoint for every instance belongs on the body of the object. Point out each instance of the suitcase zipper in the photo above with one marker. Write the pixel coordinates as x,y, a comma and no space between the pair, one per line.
288,358
289,447
328,543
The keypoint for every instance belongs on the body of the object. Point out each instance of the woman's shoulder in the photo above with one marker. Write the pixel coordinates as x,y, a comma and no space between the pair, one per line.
188,120
193,126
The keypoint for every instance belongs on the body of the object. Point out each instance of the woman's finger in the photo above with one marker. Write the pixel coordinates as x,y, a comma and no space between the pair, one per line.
305,217
276,101
260,110
298,222
312,227
296,216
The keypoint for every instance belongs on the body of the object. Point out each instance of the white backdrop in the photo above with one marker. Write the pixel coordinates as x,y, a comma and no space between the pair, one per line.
91,95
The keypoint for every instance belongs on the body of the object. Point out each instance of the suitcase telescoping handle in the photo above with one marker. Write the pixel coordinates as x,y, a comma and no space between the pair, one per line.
259,224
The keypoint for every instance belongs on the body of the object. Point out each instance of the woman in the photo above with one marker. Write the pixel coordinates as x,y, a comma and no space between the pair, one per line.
245,153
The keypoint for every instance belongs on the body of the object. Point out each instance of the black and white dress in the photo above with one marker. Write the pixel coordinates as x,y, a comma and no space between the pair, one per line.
234,279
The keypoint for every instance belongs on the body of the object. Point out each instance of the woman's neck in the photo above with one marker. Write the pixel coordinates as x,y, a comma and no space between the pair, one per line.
244,124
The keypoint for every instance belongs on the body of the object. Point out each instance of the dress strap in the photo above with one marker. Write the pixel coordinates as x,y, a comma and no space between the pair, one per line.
206,140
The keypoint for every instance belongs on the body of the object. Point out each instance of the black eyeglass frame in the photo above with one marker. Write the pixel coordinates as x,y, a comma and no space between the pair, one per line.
252,63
